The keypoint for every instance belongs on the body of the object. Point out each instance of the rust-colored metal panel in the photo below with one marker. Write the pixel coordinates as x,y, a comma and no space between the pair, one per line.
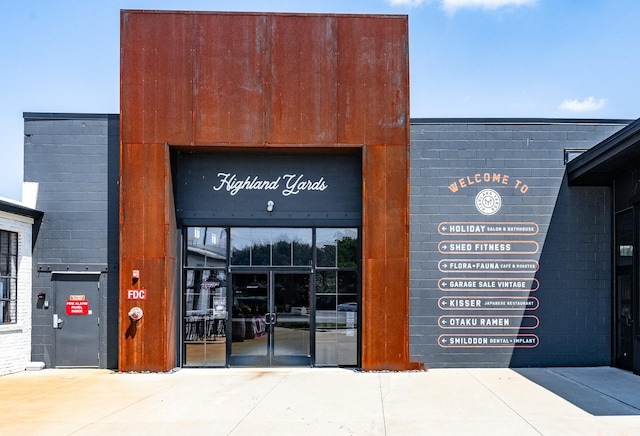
229,78
374,193
172,284
374,274
397,302
148,234
396,200
143,343
385,302
373,70
131,78
242,80
385,336
142,199
157,76
302,77
375,333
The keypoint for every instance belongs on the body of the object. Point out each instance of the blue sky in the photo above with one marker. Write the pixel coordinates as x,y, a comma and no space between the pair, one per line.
468,58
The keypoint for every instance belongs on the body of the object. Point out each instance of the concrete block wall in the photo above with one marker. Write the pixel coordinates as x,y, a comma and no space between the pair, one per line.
471,317
15,339
74,160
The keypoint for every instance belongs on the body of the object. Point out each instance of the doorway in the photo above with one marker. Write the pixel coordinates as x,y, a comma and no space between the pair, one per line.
624,291
271,318
270,296
76,320
624,321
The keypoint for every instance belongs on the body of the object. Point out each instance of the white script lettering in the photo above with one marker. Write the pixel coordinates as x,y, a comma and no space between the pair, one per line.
293,184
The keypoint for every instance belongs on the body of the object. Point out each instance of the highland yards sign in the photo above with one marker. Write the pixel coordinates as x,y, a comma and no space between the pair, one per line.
287,184
234,188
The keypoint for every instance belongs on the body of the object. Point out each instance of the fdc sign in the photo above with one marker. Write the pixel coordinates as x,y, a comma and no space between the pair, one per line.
136,294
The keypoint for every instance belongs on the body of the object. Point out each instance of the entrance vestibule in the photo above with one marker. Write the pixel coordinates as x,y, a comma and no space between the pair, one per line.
270,296
271,322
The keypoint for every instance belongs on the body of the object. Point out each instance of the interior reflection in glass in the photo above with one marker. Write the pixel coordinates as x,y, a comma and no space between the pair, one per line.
337,248
336,288
271,246
206,247
205,320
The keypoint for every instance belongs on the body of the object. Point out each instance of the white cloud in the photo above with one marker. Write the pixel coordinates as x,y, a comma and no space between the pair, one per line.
405,2
452,6
589,104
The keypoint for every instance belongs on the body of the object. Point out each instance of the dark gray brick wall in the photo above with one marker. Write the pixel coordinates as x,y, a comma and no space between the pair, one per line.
74,160
572,322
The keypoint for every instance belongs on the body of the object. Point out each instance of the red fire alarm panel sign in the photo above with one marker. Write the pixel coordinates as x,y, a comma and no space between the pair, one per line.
77,307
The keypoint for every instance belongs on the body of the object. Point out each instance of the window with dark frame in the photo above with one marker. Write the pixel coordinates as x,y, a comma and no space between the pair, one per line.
8,277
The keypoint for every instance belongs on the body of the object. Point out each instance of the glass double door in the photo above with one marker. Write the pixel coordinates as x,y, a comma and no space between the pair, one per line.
270,318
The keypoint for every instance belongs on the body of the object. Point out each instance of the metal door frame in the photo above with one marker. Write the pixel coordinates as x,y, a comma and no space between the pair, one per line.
272,359
635,290
59,313
621,319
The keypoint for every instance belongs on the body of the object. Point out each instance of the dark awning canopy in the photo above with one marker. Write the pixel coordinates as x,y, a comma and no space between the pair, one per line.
18,209
599,165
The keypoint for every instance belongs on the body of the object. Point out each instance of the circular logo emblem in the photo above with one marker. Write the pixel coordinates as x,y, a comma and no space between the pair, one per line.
488,202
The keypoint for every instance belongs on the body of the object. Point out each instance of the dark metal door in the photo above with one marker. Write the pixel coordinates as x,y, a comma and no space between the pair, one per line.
76,320
634,290
271,319
625,289
624,319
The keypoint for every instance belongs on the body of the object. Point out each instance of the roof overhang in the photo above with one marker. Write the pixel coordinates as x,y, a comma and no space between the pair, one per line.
18,209
599,165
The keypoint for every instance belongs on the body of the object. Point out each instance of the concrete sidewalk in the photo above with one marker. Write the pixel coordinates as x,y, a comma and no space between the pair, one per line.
305,401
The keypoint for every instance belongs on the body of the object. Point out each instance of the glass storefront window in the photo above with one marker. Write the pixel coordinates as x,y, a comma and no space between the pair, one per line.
206,247
337,290
215,255
336,297
337,248
205,317
271,246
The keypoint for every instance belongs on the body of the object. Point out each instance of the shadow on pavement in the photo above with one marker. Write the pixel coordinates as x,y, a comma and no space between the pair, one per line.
600,391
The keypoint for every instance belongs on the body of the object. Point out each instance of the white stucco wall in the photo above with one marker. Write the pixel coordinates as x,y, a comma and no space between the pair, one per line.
15,339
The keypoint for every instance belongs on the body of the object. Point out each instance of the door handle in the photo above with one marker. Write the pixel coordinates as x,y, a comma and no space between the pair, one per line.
270,318
57,321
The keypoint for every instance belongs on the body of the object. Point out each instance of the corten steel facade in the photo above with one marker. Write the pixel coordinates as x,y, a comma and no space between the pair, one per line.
271,82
